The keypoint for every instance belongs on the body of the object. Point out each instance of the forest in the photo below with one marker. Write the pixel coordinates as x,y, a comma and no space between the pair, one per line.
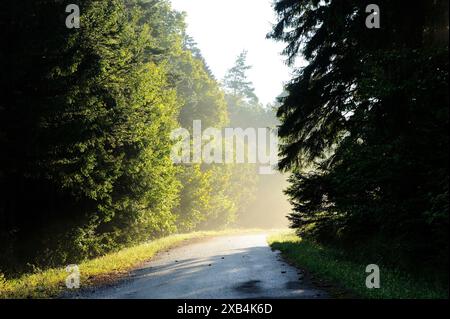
365,128
86,116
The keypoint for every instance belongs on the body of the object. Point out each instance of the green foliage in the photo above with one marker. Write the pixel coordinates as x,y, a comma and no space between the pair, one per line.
202,99
194,206
85,127
369,115
236,82
245,111
212,196
346,276
243,106
86,116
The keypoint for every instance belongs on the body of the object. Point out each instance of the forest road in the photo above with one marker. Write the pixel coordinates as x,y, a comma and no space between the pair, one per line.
226,267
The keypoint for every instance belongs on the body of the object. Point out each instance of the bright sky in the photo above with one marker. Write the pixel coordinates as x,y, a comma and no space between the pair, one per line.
224,28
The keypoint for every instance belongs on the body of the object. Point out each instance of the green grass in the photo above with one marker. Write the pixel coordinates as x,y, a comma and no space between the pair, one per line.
332,266
51,283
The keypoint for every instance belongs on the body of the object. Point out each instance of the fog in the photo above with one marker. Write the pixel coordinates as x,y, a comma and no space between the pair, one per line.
270,205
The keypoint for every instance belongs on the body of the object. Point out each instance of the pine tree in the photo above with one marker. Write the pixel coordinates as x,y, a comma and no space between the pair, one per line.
236,82
85,123
368,113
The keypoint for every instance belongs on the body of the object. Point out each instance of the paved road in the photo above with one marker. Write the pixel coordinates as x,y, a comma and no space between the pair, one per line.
238,267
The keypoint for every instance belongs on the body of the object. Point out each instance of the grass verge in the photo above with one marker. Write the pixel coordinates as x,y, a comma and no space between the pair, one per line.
333,266
51,283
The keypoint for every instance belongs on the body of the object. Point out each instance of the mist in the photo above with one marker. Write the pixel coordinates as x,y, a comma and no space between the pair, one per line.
270,205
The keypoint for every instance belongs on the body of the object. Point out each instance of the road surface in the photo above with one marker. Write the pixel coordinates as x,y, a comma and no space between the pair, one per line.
227,267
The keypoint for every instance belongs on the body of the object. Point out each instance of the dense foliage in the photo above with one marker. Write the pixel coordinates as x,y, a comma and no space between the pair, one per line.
262,203
85,121
365,126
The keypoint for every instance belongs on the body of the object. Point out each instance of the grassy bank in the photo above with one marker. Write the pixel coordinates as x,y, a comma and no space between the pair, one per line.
331,265
50,283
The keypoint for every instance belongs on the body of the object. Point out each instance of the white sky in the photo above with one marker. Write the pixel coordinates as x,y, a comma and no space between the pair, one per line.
223,28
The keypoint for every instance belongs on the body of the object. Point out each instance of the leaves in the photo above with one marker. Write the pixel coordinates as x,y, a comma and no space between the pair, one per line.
362,121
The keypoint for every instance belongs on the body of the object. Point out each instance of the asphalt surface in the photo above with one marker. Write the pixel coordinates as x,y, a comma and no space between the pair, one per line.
228,267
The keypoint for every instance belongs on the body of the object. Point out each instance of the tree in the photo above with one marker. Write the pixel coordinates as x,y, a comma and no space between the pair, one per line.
192,46
85,123
368,115
236,83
